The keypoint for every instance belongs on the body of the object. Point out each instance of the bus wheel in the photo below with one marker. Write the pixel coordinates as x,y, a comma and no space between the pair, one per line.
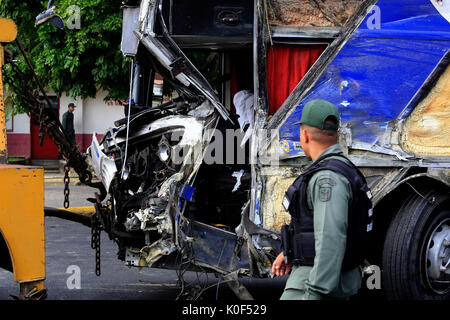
416,253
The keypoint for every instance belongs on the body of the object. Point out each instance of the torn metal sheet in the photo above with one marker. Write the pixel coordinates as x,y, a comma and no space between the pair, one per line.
170,56
203,111
381,180
104,166
426,130
238,175
243,102
277,181
156,250
378,71
215,248
443,7
148,255
129,43
442,175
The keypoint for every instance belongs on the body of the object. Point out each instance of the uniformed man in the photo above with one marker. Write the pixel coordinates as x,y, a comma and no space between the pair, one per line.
67,123
329,196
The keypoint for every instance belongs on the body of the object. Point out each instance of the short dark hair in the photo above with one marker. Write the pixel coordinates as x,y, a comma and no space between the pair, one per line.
323,136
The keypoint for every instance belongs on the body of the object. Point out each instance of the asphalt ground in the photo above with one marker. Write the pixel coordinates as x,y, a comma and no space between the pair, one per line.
148,291
68,252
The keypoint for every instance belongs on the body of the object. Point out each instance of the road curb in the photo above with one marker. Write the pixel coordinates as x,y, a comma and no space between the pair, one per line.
61,179
56,179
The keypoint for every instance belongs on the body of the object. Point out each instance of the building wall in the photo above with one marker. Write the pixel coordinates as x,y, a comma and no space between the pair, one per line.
91,115
19,142
98,116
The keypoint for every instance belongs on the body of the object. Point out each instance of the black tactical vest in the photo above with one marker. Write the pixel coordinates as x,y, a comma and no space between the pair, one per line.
298,237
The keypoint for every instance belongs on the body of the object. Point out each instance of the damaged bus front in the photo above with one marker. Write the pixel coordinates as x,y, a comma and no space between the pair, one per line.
383,63
164,207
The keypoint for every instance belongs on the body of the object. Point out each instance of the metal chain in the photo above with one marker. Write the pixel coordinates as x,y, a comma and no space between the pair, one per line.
97,254
66,186
48,121
95,244
50,124
93,236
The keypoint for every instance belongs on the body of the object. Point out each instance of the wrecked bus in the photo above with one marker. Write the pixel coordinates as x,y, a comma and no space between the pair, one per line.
383,63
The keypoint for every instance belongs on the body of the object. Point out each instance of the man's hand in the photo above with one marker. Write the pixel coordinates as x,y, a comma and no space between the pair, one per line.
279,268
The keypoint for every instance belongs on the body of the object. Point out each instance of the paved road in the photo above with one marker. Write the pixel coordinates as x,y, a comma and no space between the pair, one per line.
68,244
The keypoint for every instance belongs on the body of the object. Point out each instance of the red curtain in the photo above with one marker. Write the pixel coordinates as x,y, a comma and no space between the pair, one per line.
241,73
286,66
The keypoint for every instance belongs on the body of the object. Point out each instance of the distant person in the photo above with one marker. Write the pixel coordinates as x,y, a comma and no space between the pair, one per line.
67,123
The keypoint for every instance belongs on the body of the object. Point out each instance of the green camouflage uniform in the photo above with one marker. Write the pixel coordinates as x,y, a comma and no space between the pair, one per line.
328,194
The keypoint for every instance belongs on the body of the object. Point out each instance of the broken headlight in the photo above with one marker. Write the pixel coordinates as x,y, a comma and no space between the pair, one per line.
164,149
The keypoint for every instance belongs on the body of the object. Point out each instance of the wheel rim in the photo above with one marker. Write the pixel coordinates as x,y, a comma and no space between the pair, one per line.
437,258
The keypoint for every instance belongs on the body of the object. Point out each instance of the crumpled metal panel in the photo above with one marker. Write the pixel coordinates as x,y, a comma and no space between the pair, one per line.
167,52
129,43
215,248
379,71
104,166
426,130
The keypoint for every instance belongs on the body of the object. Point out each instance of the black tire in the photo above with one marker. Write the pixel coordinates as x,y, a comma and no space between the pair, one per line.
404,271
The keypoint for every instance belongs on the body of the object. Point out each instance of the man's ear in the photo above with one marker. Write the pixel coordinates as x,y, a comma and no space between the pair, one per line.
305,135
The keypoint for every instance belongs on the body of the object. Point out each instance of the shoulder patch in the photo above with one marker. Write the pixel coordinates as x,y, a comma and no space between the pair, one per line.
325,193
325,185
326,181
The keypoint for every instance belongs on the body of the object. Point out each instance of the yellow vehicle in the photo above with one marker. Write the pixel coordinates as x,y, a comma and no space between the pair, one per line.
22,246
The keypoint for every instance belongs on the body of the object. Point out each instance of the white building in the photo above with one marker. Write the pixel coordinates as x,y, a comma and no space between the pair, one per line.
91,115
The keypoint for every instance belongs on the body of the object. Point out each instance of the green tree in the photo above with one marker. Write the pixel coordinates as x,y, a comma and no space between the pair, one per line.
77,62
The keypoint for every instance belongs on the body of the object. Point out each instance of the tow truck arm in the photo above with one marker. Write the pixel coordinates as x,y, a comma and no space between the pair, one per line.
22,247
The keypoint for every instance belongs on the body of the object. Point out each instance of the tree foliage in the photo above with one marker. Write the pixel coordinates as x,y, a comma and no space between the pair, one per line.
77,62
